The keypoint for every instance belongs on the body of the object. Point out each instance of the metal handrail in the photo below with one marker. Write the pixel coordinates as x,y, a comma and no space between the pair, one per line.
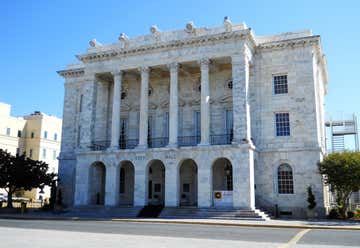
188,140
221,139
158,142
128,143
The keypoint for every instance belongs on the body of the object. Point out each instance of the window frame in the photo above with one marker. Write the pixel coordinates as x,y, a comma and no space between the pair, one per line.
275,124
278,184
273,84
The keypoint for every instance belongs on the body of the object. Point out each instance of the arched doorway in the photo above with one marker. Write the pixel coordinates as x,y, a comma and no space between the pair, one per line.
222,183
126,176
188,189
156,183
97,183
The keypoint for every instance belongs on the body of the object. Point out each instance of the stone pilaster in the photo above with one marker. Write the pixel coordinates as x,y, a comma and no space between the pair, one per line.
111,189
171,184
204,184
205,102
115,124
174,105
243,180
241,109
144,107
87,116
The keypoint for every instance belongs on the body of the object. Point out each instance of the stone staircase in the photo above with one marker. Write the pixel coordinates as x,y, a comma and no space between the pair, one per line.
213,213
104,212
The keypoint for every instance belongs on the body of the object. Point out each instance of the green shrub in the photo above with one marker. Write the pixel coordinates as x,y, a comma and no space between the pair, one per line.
350,214
333,214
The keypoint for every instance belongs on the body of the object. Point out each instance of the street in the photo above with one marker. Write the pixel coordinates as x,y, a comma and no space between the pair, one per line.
32,233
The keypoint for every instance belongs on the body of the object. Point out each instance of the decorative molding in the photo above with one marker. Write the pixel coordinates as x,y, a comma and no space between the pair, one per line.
158,46
291,43
72,72
173,66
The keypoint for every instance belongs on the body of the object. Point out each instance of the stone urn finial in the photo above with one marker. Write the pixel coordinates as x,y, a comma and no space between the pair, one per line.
94,43
227,23
154,29
123,37
190,27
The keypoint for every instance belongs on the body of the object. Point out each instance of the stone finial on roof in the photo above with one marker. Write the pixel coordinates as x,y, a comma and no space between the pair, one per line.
123,37
190,27
227,23
94,43
154,29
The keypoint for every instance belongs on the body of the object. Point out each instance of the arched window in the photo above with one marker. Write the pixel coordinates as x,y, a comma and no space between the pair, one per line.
285,179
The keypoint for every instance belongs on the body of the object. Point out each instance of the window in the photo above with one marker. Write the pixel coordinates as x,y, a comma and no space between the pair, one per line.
280,84
8,130
78,136
44,153
122,181
45,135
19,133
30,153
54,154
157,187
32,135
197,125
55,136
230,84
81,103
282,124
123,95
186,188
285,179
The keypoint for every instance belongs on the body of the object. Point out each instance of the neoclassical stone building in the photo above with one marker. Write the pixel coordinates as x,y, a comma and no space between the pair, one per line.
206,117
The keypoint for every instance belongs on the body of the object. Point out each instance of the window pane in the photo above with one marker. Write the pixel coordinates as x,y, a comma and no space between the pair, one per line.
280,84
282,124
285,179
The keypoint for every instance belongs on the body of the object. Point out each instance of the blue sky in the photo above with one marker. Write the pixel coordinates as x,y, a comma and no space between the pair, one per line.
40,37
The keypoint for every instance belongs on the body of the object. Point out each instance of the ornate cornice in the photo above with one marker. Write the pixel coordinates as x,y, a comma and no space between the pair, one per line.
192,41
71,72
290,43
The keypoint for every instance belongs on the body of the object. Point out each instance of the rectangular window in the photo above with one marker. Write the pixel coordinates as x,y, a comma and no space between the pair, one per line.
45,135
19,133
54,154
122,181
8,130
197,126
78,136
280,84
32,135
30,153
55,136
44,153
282,123
81,103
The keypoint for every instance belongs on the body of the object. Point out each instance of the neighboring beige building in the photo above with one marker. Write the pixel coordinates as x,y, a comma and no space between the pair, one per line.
37,135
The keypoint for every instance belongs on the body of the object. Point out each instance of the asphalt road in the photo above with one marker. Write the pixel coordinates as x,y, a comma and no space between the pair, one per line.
32,233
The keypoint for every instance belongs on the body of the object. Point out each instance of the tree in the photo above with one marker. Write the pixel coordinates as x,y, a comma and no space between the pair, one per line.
342,172
19,172
311,198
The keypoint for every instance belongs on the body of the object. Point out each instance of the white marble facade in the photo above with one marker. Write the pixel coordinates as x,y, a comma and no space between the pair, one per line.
191,111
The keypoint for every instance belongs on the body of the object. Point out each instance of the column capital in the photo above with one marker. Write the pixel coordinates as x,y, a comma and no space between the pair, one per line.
204,61
117,73
144,69
173,66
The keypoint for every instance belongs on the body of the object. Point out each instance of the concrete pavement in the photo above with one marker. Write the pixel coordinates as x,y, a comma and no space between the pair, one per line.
42,233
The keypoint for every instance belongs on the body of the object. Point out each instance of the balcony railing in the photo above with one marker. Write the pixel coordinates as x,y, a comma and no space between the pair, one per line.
221,139
100,145
158,142
188,140
128,143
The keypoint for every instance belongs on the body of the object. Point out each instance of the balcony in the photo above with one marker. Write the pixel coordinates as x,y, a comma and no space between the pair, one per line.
158,142
188,140
221,139
128,143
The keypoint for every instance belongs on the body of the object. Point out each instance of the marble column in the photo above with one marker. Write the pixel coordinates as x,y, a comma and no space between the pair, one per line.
115,124
241,109
144,108
174,105
205,102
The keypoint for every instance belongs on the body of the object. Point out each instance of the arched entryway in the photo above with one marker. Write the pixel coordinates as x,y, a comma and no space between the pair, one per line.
188,188
126,174
222,183
156,183
97,183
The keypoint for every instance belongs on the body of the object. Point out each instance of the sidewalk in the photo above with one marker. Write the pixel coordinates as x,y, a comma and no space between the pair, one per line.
278,223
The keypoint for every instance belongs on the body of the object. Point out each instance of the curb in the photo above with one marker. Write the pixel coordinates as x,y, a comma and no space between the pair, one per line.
184,222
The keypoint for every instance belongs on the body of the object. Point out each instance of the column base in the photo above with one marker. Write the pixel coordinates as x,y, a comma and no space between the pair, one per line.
173,145
141,147
204,144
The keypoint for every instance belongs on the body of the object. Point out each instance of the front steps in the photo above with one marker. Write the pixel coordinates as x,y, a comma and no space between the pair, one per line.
98,211
212,213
